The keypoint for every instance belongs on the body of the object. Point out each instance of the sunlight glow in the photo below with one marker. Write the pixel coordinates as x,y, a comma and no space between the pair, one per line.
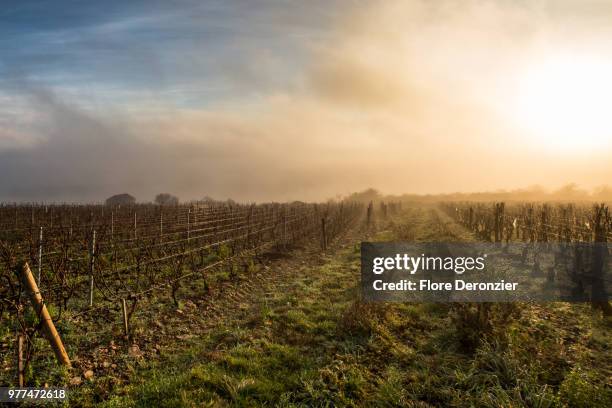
566,103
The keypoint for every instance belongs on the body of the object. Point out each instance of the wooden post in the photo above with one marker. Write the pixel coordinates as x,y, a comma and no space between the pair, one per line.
40,238
324,234
125,319
248,234
188,219
43,315
92,260
471,219
498,223
599,296
161,224
285,228
135,233
20,365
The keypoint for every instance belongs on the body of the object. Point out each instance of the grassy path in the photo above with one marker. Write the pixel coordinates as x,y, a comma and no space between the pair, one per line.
295,334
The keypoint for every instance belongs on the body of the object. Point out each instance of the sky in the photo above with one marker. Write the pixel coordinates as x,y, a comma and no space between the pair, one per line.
261,100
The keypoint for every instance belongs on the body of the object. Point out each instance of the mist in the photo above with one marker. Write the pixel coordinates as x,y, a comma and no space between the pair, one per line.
409,97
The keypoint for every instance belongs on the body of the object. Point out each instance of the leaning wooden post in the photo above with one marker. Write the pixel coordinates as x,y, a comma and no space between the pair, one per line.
43,315
125,319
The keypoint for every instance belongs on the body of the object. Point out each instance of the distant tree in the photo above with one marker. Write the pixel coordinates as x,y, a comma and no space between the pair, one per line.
365,196
603,193
570,192
166,199
120,199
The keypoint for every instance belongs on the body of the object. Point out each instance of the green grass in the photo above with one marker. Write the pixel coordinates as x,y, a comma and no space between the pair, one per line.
312,342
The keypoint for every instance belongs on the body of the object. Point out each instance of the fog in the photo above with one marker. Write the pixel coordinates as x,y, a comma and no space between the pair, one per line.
405,96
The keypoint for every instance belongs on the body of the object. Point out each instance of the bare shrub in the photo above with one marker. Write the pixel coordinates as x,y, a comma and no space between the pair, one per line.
362,318
478,322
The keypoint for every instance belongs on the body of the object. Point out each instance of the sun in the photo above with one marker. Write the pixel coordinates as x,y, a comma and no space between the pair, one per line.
566,103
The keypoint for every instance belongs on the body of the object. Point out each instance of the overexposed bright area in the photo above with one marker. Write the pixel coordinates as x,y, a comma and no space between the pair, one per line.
565,102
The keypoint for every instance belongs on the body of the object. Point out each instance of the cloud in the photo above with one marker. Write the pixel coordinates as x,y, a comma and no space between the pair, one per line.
405,96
